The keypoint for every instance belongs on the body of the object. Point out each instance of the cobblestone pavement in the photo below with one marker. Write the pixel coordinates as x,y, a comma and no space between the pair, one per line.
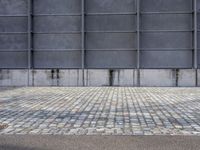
101,111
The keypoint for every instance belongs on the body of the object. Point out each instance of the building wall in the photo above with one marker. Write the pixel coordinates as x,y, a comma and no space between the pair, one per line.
99,42
73,78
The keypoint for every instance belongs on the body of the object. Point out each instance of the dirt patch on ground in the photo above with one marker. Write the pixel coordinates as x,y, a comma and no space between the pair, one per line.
3,126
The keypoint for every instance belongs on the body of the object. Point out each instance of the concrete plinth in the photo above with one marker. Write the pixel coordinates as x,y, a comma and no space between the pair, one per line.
97,78
70,78
187,78
125,78
157,78
101,77
13,77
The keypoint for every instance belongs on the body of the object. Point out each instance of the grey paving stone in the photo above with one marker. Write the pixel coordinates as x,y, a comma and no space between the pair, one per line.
101,111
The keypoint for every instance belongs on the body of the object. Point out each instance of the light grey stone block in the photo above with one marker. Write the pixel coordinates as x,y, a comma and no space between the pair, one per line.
97,77
13,77
156,78
125,77
44,78
187,78
70,77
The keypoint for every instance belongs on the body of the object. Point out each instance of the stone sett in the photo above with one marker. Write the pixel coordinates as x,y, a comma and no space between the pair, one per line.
100,111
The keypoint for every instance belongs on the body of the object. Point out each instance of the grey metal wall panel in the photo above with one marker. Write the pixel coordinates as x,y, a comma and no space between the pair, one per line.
111,23
13,37
68,59
198,40
162,40
13,24
13,60
166,5
111,41
110,6
13,41
111,59
13,7
198,55
111,34
198,5
166,59
57,24
98,34
57,41
198,21
57,34
57,6
166,22
167,34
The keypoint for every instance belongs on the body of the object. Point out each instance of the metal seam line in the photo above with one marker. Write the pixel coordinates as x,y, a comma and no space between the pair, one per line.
138,42
195,39
29,38
83,40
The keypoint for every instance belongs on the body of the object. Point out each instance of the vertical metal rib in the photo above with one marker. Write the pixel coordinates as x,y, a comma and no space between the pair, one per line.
83,39
29,39
195,38
138,42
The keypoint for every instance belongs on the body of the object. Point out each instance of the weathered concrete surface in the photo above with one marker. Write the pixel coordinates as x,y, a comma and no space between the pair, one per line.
44,78
198,77
13,77
97,77
26,142
125,77
70,78
187,78
100,77
157,78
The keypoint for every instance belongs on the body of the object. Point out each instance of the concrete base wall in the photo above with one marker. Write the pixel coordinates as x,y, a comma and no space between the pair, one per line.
13,77
103,77
157,78
168,78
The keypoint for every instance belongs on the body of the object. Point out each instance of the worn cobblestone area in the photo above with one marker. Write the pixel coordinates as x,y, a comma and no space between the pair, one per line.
101,111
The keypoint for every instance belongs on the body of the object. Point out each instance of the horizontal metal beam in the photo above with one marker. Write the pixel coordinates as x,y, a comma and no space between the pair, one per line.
111,31
166,30
167,49
65,32
13,32
55,50
168,12
14,15
79,32
40,15
118,13
122,49
13,51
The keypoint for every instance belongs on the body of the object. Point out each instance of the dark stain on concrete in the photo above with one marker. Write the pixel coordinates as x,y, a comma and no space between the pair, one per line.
4,74
111,75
